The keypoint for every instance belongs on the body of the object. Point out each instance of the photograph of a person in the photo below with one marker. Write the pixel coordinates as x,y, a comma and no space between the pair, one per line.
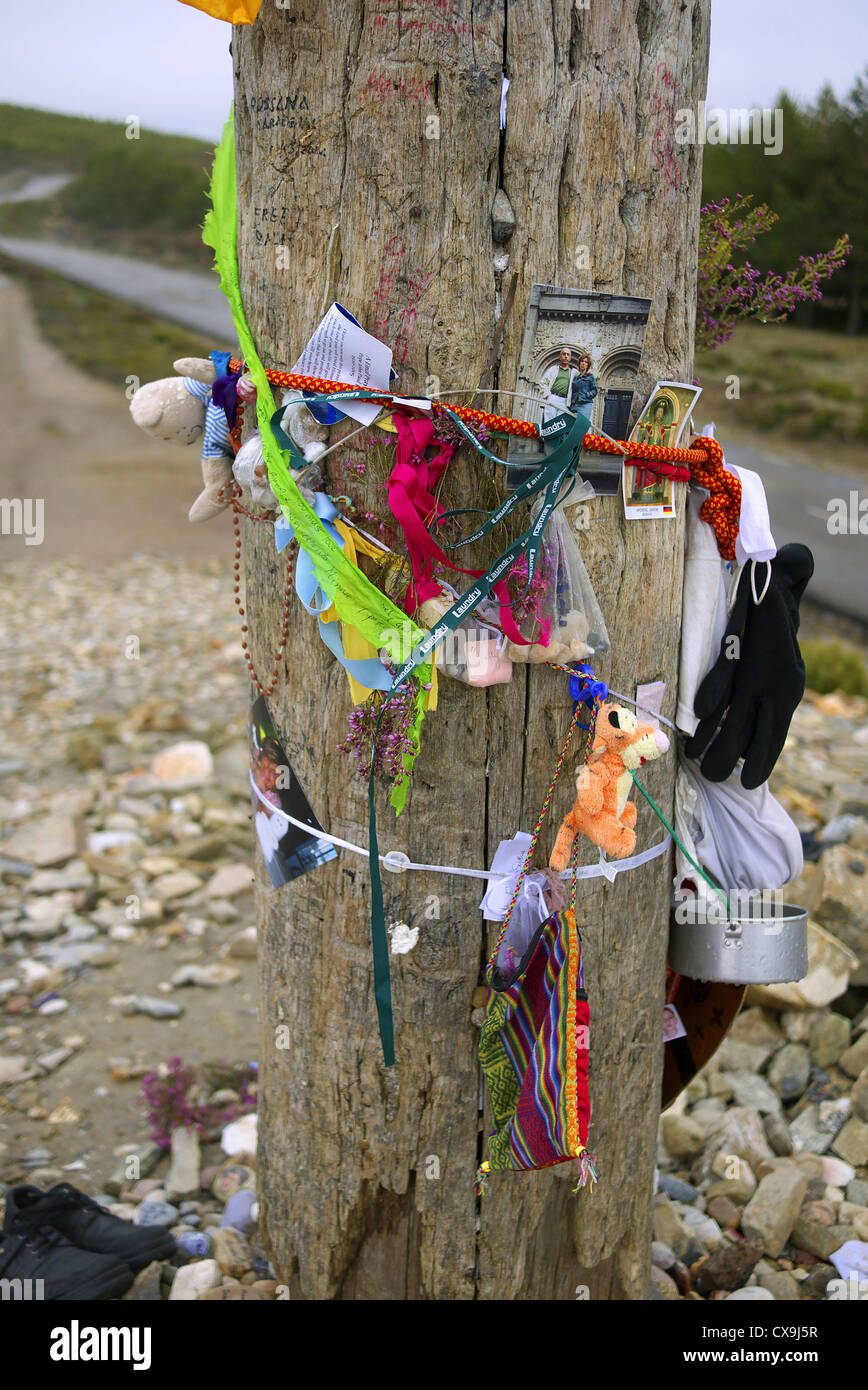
663,423
672,1026
568,387
580,353
287,849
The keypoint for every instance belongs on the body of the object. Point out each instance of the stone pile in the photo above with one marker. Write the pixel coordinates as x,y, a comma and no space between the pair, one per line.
763,1162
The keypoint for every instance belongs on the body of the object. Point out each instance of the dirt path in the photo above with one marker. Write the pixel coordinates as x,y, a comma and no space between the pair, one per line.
118,556
108,489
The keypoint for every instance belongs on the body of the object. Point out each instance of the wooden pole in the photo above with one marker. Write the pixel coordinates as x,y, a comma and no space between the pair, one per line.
369,156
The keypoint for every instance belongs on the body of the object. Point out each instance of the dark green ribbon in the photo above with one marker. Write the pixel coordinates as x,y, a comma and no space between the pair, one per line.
561,464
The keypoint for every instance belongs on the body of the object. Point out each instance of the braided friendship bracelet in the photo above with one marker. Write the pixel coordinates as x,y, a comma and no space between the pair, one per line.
656,458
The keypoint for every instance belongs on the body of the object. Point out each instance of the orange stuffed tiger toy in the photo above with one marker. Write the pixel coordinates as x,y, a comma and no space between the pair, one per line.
601,810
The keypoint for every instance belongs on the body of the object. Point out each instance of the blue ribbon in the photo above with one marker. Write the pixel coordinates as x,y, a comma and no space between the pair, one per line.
371,672
224,392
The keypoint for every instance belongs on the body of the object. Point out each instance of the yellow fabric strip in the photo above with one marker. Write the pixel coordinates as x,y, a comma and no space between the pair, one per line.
233,11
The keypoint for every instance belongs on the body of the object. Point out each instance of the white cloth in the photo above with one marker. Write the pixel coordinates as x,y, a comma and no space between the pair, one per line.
703,611
754,540
743,838
270,830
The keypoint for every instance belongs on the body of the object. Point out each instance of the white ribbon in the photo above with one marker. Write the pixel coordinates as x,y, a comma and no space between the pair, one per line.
397,862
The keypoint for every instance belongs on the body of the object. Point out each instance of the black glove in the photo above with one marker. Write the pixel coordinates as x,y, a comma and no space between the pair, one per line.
751,695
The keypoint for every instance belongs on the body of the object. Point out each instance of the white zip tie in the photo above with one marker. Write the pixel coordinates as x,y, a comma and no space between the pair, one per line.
397,862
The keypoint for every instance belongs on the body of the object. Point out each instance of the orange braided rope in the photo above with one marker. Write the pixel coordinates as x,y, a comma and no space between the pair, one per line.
500,424
723,508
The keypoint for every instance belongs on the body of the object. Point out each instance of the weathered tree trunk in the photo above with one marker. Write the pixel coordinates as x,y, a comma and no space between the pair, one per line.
367,1175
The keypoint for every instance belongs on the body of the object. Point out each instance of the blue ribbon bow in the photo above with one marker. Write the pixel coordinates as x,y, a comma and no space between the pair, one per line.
371,673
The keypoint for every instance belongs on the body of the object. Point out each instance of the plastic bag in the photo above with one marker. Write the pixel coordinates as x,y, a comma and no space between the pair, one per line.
540,895
560,613
474,652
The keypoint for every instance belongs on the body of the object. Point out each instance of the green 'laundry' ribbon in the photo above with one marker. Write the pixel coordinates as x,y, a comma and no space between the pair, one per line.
551,475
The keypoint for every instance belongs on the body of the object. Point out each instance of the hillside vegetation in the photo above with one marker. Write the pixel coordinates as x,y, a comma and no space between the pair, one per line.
142,196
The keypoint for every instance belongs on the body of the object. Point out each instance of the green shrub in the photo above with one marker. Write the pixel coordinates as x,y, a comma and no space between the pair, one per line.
812,423
833,389
831,665
135,187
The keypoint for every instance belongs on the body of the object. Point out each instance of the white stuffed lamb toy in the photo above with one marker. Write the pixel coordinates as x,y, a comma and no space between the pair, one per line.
180,410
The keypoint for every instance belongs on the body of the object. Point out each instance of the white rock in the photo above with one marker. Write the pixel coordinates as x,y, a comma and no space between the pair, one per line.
32,972
183,1177
751,1295
12,1069
229,881
195,1279
122,931
239,1137
100,840
50,1061
837,1172
209,976
191,759
176,885
243,946
44,840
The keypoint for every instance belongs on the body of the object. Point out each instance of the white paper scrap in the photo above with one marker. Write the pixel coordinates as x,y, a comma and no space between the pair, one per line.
508,859
340,350
649,702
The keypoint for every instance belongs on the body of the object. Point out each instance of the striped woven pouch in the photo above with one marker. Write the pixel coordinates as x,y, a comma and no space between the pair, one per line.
534,1055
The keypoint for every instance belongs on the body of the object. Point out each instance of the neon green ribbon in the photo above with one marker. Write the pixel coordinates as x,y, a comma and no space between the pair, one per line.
357,601
689,857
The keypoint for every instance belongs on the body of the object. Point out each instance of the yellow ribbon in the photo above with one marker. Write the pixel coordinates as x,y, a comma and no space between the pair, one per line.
234,11
357,647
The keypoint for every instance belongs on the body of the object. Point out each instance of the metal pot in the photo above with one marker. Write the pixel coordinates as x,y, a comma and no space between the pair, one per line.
766,944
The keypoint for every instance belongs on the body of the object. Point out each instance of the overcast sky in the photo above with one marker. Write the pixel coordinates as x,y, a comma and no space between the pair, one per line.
169,64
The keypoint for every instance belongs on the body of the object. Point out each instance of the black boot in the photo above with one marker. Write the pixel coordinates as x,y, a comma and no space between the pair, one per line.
90,1227
37,1262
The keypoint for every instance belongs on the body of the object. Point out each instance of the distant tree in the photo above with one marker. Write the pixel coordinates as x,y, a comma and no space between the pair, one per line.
817,186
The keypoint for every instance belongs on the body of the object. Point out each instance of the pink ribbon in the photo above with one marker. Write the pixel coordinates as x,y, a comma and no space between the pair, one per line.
412,504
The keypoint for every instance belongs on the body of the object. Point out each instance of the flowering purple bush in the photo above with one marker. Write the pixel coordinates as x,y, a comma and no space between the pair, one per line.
727,293
446,430
175,1098
394,739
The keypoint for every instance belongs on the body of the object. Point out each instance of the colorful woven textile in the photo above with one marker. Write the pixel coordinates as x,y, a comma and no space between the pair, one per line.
534,1053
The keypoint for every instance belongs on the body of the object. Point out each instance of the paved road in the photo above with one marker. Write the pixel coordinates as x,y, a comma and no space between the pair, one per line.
798,498
184,296
798,495
40,186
